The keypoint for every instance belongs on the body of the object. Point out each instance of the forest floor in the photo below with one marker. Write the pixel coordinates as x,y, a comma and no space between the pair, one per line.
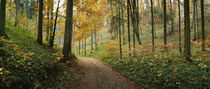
93,74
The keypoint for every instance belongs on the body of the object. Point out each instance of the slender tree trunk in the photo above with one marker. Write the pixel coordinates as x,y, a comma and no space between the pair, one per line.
68,30
85,47
27,13
91,42
39,39
55,24
95,39
17,12
194,20
119,5
165,26
203,25
129,37
51,22
152,17
187,50
135,21
123,23
79,46
48,23
172,16
3,18
198,35
180,40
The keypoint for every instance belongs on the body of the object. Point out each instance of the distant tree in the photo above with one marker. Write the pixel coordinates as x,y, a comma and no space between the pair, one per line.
187,44
119,6
180,40
171,17
55,25
68,30
203,25
91,42
165,26
40,22
194,20
2,18
128,16
152,25
17,12
95,39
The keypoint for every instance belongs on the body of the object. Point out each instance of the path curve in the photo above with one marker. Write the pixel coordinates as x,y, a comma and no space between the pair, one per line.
96,75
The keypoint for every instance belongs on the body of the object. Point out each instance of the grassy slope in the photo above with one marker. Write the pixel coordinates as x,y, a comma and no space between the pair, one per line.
26,64
159,69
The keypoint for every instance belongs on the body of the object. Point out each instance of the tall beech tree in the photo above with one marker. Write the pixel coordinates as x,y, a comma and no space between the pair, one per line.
165,26
55,25
17,12
120,39
3,18
67,50
40,22
202,25
180,40
187,44
129,37
152,25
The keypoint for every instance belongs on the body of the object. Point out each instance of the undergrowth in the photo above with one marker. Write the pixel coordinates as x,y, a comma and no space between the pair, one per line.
24,64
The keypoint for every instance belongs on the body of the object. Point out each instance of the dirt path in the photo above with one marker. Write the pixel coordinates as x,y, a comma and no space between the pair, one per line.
96,75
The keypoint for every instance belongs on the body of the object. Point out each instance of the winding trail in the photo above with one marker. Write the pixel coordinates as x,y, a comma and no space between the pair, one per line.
96,75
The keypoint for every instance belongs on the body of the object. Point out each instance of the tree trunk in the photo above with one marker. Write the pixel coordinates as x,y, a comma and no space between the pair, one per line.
39,39
68,30
180,40
187,50
85,46
198,35
17,12
152,17
194,21
3,18
135,21
51,18
55,24
123,24
91,42
129,37
119,5
165,26
48,23
95,39
172,16
27,13
203,25
79,46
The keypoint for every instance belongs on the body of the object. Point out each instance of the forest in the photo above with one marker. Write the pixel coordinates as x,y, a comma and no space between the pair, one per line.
104,44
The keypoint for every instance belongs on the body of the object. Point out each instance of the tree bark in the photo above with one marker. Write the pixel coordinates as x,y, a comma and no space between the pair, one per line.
3,18
172,17
17,12
39,39
187,50
129,37
194,20
152,25
95,39
55,25
165,26
203,25
180,40
68,30
119,5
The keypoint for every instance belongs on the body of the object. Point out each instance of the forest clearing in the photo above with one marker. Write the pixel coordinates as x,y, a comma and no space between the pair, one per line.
104,44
